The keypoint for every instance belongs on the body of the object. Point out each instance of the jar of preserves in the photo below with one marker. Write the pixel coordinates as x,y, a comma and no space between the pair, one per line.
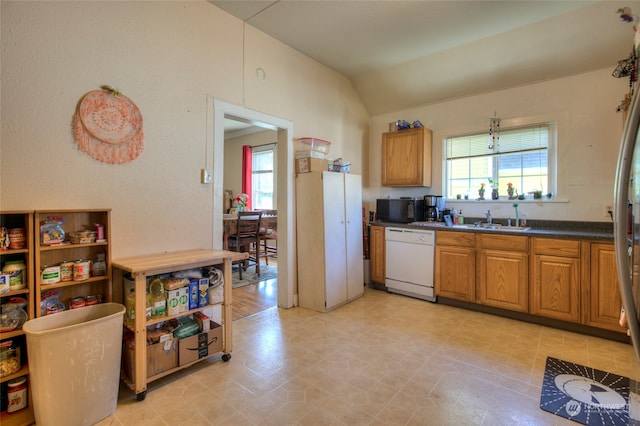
16,394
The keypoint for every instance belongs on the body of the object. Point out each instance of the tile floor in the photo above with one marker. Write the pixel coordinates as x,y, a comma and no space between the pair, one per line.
381,360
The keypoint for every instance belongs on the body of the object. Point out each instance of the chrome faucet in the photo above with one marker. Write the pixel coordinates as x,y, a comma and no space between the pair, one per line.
489,218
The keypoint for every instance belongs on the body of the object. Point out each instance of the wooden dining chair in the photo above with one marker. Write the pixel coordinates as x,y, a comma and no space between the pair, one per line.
269,235
247,238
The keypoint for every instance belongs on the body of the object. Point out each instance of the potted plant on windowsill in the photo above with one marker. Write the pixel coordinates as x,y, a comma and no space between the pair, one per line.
511,192
494,189
481,192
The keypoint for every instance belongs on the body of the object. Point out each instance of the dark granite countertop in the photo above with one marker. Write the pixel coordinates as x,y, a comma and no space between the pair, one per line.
536,228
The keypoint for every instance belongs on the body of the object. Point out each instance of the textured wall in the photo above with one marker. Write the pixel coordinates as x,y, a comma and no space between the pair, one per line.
167,57
589,132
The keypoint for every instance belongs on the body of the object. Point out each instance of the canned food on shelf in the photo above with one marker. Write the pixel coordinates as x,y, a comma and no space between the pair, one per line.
50,274
66,271
77,302
81,270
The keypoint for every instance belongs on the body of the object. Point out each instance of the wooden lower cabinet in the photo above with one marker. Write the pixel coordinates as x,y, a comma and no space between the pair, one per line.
555,279
568,280
455,265
377,253
503,272
604,298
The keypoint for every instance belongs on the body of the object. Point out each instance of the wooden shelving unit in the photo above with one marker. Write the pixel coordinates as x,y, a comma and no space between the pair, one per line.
74,220
142,267
19,219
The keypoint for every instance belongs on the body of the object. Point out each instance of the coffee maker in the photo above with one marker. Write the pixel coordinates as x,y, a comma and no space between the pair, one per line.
431,210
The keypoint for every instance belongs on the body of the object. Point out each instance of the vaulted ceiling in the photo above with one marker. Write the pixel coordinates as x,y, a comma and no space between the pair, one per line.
401,54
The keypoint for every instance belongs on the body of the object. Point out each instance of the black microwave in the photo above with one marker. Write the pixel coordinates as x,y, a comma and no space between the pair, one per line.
401,210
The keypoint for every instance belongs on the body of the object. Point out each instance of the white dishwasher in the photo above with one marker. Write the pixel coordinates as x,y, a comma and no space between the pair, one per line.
409,262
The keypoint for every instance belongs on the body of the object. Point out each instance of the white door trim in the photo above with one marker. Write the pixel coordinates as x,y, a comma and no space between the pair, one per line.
287,284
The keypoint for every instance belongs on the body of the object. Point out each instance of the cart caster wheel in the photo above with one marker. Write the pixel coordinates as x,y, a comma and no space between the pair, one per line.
226,357
141,396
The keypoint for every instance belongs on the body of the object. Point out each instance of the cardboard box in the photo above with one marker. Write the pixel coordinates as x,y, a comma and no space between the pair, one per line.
193,293
306,165
160,357
183,299
203,321
341,168
173,302
203,292
201,345
310,154
178,301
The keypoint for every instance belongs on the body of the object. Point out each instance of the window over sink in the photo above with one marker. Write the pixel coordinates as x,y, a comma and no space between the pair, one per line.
523,157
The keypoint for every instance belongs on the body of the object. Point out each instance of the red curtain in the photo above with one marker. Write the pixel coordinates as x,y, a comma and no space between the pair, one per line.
247,172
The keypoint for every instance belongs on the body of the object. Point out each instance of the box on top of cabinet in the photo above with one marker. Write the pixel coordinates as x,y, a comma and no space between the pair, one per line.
307,164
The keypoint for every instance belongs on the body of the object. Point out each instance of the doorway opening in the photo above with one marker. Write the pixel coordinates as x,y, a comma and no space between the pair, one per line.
224,112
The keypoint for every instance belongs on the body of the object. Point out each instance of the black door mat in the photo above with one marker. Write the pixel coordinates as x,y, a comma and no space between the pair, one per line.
585,395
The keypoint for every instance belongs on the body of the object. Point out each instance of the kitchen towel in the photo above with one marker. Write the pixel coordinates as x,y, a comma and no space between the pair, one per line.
585,395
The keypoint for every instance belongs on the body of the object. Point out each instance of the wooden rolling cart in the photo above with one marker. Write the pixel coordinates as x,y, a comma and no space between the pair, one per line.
144,266
19,219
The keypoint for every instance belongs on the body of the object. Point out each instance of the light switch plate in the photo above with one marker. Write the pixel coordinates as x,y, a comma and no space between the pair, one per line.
205,176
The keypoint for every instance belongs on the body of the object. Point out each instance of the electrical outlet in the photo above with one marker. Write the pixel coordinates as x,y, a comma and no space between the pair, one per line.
607,211
205,176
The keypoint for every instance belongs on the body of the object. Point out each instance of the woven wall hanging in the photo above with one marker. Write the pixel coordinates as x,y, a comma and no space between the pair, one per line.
107,126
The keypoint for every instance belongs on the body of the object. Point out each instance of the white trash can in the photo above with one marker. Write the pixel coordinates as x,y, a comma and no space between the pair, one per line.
74,364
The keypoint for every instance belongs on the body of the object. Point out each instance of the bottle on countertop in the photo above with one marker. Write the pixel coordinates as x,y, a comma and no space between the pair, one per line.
460,218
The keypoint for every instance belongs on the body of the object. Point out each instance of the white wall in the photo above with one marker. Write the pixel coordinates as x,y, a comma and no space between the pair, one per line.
167,57
589,132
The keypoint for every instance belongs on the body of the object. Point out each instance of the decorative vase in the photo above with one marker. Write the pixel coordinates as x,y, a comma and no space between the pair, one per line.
510,193
537,195
494,194
481,194
240,208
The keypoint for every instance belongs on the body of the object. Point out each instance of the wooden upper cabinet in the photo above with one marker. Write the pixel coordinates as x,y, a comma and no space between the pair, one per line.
406,157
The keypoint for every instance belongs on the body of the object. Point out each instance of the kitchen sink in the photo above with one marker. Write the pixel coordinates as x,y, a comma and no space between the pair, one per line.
495,226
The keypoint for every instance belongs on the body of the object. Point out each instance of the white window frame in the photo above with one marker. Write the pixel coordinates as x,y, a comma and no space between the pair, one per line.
259,149
552,154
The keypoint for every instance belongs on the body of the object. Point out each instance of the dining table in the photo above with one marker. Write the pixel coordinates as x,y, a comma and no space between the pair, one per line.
230,225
